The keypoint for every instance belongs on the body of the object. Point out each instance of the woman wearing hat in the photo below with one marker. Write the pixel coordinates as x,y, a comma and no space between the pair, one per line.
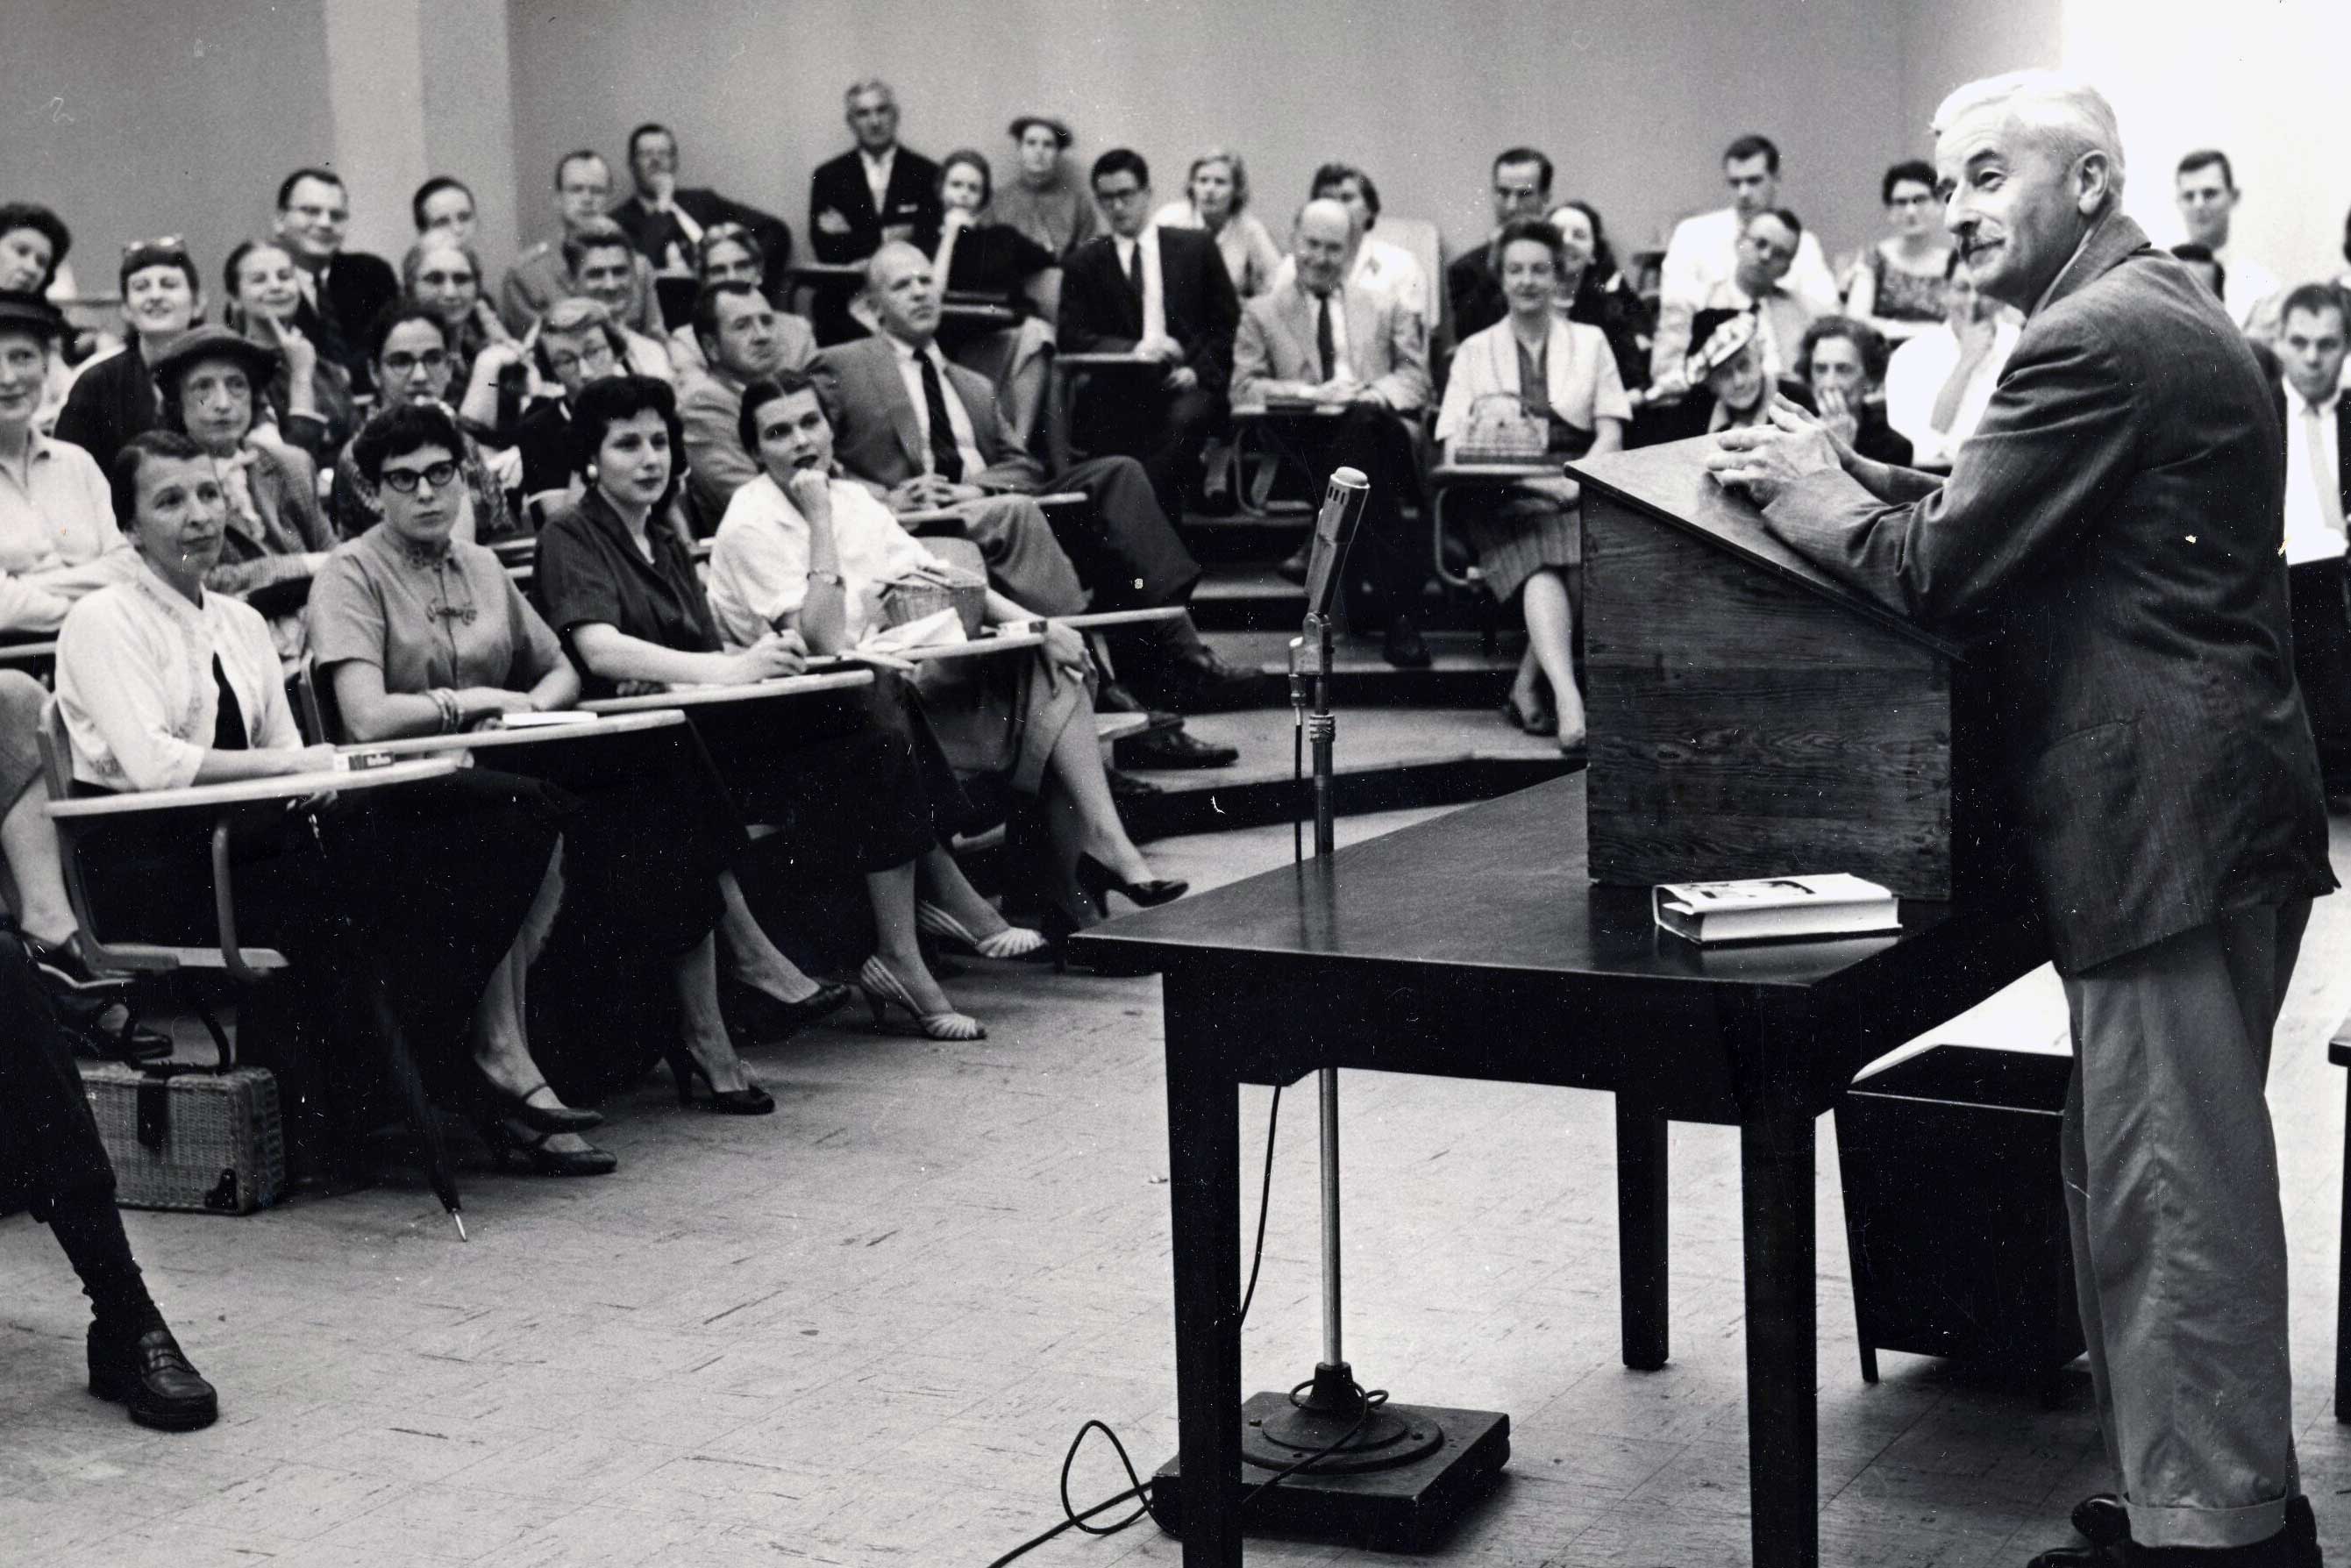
1726,370
1533,368
1045,200
114,398
275,535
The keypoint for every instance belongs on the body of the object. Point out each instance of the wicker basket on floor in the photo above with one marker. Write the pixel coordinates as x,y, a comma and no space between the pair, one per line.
192,1139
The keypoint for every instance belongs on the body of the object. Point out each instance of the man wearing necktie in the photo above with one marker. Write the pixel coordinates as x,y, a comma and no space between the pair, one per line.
1164,296
1341,369
2312,343
342,290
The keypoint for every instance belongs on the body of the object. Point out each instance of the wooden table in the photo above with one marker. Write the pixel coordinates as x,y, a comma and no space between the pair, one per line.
707,696
475,740
1475,947
282,787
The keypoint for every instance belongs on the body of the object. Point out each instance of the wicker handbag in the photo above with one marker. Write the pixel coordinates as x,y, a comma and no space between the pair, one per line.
207,1140
911,598
1501,429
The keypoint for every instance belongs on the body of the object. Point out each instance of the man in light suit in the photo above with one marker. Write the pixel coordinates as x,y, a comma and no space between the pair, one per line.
2108,544
744,338
918,454
1162,294
1322,339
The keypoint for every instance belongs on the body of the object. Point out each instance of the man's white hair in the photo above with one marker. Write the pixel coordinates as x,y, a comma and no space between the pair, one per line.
2063,113
858,90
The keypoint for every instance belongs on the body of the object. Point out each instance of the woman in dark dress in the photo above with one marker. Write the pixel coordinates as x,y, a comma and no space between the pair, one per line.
982,262
114,398
1592,290
623,591
420,632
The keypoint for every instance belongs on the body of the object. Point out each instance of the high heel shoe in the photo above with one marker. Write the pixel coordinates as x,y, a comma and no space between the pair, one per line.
881,987
1536,720
767,1020
1011,942
542,1118
509,1142
748,1101
1099,882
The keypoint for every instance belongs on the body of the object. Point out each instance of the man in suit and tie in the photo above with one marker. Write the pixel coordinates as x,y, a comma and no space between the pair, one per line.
1322,339
2313,333
1521,189
666,220
342,290
877,190
1161,293
2108,544
744,338
923,433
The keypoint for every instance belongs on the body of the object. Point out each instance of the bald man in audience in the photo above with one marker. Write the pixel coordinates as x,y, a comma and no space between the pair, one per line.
924,432
1325,339
1704,254
540,276
743,338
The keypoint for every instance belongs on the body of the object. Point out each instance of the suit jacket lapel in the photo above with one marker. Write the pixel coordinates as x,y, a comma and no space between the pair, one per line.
883,358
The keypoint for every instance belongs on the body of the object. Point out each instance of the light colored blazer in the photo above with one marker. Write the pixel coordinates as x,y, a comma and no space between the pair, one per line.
1275,351
1579,374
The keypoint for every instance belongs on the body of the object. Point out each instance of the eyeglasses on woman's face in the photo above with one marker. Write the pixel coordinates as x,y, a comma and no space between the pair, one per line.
439,475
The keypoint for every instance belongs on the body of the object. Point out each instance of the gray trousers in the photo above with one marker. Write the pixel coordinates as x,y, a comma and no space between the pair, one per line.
2179,1257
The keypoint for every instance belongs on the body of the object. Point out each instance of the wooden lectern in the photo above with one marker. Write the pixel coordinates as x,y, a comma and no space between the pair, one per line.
1751,716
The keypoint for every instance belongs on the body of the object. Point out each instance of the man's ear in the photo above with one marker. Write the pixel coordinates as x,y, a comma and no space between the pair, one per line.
2094,182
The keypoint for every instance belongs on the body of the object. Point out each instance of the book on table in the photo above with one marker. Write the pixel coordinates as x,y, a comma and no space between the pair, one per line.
1765,908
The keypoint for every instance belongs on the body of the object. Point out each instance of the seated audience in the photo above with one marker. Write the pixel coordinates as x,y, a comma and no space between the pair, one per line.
275,535
875,192
1520,189
896,385
1759,284
1376,264
1898,286
626,597
33,245
602,266
980,260
113,398
1325,337
666,220
53,1162
1593,291
743,338
58,540
409,349
541,274
1706,252
1216,199
578,343
420,632
311,404
2199,260
446,203
1842,362
811,554
726,252
2205,185
342,290
1728,377
427,894
442,274
2314,334
1532,368
1162,295
1938,384
1045,199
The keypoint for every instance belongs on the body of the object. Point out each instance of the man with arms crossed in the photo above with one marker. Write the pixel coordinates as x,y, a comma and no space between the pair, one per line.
2109,543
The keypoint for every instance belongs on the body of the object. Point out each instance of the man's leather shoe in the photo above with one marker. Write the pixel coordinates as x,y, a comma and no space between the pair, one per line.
1127,787
1295,568
149,1375
1172,748
1403,646
1206,684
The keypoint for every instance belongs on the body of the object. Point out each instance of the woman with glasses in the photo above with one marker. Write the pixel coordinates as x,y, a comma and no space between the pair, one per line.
1898,286
409,349
113,399
444,274
577,342
311,399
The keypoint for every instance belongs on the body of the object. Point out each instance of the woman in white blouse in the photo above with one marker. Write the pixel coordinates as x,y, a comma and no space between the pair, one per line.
1555,383
164,684
802,550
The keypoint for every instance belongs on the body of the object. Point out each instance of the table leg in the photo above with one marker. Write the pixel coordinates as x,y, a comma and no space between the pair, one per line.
2343,1276
1204,1149
1641,1234
1775,1158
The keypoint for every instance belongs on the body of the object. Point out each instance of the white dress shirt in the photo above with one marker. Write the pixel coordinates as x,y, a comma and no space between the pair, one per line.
877,176
57,537
1914,380
2313,480
1154,293
135,683
910,373
759,560
1704,253
2245,285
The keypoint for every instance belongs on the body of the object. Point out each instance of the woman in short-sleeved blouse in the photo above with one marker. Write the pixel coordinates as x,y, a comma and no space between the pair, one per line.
1898,286
1529,536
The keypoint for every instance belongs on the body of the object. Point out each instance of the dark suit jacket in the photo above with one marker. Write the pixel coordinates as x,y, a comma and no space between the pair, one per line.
2108,544
839,185
1101,315
1475,297
874,431
359,286
654,232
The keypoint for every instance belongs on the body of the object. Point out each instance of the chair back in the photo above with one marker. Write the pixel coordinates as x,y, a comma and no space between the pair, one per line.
57,750
312,698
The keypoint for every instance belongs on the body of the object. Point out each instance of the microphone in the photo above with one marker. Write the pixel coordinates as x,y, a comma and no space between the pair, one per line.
1334,529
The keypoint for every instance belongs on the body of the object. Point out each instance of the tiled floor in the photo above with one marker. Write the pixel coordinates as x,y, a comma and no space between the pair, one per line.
863,1330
